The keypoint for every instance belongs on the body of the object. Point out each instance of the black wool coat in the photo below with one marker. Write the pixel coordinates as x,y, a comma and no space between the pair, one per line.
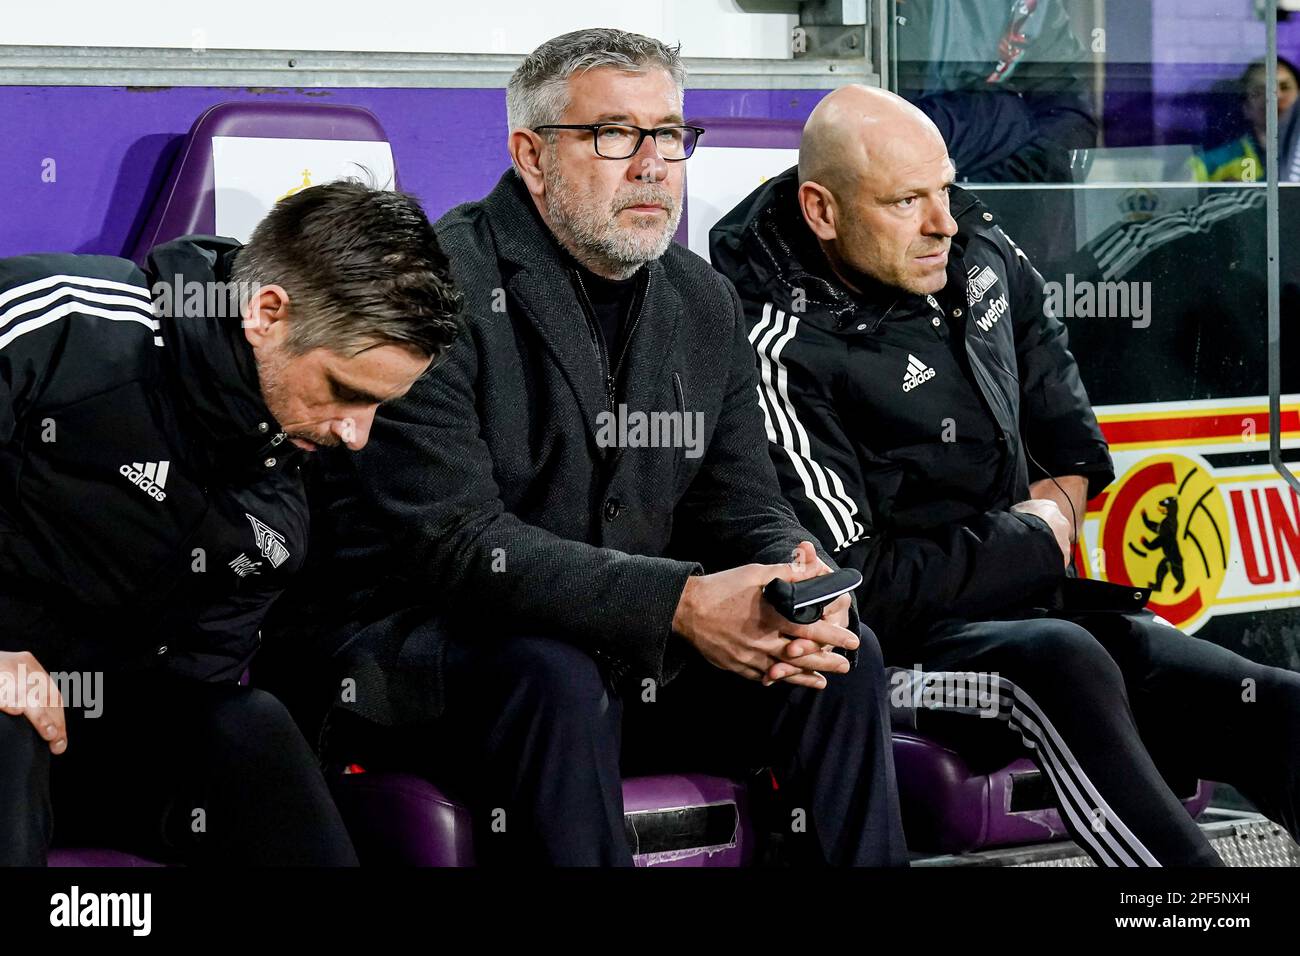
490,500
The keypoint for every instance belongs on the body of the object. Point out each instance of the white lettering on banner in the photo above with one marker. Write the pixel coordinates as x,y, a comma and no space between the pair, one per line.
1208,538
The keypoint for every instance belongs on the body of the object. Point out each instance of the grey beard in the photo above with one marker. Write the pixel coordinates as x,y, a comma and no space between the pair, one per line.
594,237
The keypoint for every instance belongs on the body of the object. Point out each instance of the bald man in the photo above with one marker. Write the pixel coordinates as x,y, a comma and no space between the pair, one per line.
928,423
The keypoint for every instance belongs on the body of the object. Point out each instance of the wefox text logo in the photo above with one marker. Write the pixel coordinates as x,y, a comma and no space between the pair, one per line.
997,308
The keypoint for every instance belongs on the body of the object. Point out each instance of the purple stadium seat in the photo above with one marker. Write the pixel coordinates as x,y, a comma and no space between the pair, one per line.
739,132
688,820
186,204
948,807
400,819
96,857
736,133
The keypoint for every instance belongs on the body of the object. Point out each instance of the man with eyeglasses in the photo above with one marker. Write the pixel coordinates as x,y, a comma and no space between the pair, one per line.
544,574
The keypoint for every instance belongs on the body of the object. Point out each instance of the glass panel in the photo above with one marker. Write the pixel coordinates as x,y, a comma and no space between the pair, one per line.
1096,90
1120,144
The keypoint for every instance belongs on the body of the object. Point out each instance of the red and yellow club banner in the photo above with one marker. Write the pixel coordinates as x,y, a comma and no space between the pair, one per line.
1208,539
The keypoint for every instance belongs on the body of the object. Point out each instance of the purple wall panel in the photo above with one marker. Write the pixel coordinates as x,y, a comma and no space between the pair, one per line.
1219,35
1167,63
112,146
1198,47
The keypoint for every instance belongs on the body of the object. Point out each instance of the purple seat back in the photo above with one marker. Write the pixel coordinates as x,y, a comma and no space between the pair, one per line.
186,204
730,133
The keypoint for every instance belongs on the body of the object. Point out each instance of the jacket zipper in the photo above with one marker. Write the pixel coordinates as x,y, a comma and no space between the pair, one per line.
636,320
598,339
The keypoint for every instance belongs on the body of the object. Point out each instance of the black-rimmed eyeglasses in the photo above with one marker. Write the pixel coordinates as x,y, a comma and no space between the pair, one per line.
620,141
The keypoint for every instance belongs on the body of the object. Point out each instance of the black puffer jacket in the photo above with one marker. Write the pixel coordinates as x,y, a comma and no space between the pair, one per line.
900,452
150,508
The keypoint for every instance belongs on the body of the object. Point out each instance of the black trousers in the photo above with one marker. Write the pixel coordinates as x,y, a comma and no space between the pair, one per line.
537,745
1111,707
174,770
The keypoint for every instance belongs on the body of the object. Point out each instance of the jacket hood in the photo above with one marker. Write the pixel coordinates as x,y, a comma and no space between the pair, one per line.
202,332
765,248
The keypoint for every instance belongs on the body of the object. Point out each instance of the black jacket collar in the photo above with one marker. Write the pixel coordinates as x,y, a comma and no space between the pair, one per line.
765,245
209,360
538,275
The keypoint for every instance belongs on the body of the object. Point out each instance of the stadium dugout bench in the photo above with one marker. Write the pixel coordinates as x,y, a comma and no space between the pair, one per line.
235,162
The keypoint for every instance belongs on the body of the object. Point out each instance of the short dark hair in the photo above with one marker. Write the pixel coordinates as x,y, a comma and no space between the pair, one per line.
362,267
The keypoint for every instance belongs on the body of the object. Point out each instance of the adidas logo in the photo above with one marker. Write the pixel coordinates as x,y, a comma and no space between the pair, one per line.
150,477
917,372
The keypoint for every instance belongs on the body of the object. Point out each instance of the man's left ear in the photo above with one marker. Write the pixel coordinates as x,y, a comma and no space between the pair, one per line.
265,315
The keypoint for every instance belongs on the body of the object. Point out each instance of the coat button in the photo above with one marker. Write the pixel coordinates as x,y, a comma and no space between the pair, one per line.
612,509
862,327
263,427
935,321
162,649
988,217
956,313
270,463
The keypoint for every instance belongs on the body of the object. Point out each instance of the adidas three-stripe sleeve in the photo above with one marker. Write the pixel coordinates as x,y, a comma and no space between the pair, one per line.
964,569
815,460
67,325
